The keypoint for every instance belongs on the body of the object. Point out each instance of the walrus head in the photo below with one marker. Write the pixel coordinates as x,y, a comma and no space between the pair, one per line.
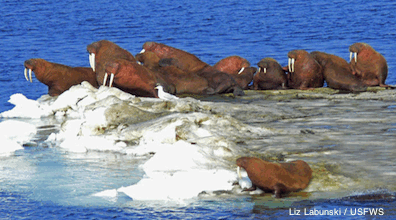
38,66
29,64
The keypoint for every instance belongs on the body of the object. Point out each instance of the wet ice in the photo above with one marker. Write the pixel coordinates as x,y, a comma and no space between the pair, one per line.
190,145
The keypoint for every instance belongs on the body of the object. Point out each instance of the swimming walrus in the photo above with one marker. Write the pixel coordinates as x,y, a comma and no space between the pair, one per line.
279,178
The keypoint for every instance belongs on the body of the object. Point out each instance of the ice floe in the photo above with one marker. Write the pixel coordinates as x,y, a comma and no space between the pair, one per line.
13,134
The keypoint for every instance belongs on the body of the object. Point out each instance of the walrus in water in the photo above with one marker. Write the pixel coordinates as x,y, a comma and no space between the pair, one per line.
58,77
279,178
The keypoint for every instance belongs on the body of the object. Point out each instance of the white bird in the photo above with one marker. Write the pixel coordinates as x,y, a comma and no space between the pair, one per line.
164,95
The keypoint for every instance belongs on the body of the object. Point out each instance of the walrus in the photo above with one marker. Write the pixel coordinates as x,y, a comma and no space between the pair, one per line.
219,81
279,178
232,64
58,77
304,71
103,51
179,58
337,73
368,65
131,77
184,83
270,75
239,68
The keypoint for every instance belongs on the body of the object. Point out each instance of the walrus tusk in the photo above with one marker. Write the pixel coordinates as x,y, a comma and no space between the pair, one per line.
92,61
240,71
265,70
142,51
353,54
105,79
30,75
25,73
292,64
111,80
239,172
288,64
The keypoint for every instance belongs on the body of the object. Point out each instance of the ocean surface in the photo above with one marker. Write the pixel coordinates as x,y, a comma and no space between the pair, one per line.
43,181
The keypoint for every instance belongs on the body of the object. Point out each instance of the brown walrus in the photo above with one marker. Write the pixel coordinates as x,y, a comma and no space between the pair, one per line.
219,81
279,178
58,77
103,51
304,71
131,77
183,82
369,65
270,75
337,73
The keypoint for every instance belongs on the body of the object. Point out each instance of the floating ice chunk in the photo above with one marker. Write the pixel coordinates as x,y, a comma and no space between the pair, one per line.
24,108
18,131
111,193
82,144
179,186
178,172
8,147
73,144
175,157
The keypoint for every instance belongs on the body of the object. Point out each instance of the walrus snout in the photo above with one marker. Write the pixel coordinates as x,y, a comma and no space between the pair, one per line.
29,64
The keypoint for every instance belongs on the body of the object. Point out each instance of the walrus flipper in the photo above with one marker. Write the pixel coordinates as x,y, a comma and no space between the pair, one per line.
279,188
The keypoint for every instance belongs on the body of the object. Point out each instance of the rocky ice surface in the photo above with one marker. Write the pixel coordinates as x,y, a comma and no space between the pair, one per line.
191,143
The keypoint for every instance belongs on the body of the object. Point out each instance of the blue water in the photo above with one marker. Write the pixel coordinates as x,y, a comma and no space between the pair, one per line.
59,31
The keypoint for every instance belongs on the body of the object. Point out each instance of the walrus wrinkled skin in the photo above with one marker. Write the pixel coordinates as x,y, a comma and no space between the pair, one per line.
337,73
149,59
368,65
270,75
219,81
182,82
132,78
104,51
176,57
245,77
59,77
279,178
239,68
304,71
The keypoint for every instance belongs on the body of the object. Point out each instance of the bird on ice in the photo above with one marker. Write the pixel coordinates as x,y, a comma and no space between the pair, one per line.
164,95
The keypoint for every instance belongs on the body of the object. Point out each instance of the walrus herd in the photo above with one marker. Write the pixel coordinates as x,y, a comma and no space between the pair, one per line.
178,72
